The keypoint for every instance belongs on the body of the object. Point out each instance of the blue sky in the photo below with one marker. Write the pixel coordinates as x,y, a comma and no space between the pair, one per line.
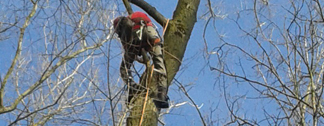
204,86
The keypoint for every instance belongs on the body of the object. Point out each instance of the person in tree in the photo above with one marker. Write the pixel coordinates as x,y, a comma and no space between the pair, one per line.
136,32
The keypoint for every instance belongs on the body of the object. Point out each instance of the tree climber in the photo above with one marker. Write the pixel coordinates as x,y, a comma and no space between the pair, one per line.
136,32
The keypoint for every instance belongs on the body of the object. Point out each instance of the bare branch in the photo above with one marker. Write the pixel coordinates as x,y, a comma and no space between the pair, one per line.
128,7
183,89
18,51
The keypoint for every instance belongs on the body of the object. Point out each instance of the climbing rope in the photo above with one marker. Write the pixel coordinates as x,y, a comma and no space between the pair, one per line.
148,80
165,27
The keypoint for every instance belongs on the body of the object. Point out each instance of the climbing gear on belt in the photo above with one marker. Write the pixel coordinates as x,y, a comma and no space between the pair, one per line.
140,31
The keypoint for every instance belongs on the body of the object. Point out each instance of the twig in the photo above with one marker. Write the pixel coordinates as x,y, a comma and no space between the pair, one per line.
41,109
46,74
192,101
172,56
121,120
18,51
128,7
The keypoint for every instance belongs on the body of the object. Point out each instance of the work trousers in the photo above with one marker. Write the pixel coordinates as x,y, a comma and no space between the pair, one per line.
145,40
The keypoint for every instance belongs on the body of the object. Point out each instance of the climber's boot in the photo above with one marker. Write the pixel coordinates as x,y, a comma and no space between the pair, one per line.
162,99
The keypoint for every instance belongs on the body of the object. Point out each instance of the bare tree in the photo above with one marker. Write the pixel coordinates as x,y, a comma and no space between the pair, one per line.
278,61
54,77
61,62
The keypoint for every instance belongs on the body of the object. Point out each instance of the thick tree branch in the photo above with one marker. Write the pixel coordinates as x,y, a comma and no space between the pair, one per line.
178,34
158,17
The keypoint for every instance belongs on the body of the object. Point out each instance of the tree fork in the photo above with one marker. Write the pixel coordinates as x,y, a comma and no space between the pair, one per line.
176,38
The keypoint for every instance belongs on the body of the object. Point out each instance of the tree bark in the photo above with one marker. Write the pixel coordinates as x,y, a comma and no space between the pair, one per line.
150,115
176,37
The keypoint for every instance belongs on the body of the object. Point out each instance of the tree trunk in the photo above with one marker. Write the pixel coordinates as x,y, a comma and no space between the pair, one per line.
177,35
144,101
175,42
150,114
